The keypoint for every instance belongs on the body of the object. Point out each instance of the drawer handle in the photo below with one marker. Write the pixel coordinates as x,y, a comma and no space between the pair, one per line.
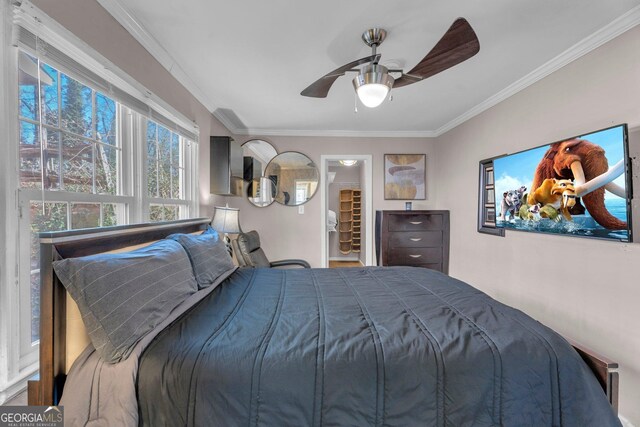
415,239
415,256
416,222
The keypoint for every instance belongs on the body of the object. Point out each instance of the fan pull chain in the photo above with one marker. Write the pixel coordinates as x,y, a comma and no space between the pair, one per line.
390,95
355,103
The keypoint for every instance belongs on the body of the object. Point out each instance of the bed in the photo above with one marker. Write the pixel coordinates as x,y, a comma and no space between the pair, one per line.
361,346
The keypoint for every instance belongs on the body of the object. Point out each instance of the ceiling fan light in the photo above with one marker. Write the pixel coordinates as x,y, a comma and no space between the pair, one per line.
373,85
372,94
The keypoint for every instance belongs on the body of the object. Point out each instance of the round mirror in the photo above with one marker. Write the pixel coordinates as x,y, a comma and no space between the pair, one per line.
257,154
261,192
295,177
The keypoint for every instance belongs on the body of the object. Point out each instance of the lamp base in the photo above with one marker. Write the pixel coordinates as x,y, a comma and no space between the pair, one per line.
227,243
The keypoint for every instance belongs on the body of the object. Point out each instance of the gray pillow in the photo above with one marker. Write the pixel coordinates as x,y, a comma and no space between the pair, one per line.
208,255
123,296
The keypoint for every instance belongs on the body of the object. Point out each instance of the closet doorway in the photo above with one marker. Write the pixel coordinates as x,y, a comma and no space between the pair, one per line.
347,210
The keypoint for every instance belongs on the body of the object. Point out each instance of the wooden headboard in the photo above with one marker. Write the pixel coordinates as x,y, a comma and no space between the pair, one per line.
69,244
54,246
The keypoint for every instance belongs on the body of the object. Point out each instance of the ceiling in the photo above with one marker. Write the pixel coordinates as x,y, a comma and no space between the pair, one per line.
247,61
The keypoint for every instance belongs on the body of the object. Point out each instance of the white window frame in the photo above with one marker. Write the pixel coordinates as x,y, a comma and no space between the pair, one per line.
19,359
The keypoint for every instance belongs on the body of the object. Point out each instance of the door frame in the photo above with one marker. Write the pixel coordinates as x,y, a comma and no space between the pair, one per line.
367,187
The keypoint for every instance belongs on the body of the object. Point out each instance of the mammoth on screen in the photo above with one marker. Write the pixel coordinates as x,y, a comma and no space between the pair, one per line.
577,186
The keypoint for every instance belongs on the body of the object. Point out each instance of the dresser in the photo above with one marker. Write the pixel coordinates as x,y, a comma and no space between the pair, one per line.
414,238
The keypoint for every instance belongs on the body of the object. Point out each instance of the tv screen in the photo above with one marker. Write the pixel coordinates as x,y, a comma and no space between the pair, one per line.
578,186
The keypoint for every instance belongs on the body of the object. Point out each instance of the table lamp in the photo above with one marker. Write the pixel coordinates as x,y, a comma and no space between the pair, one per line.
226,220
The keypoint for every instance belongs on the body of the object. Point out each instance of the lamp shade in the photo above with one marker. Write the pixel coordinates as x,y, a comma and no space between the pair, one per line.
373,85
226,220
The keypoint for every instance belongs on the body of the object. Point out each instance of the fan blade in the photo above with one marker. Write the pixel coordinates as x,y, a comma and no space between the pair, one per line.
320,88
457,45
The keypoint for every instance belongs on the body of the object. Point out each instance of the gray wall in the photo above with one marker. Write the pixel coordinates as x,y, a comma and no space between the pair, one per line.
586,289
285,233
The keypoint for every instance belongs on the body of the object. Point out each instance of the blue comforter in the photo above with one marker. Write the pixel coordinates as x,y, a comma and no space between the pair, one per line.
364,346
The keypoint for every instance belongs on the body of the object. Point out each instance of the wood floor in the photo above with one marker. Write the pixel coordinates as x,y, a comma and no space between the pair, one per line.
344,264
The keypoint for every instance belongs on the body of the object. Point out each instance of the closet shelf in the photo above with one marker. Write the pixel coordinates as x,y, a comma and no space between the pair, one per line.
350,217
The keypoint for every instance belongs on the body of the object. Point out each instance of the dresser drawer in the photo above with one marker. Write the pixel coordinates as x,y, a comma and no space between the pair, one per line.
414,256
434,266
415,239
411,222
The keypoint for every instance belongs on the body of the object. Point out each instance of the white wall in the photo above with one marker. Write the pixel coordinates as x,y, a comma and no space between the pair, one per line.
286,234
586,289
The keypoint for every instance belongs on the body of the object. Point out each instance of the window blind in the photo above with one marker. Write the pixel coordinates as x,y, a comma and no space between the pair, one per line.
51,55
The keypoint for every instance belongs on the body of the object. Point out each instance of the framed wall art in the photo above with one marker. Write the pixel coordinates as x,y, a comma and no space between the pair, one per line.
405,176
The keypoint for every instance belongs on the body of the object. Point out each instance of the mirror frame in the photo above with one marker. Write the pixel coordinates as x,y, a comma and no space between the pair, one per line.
248,183
318,178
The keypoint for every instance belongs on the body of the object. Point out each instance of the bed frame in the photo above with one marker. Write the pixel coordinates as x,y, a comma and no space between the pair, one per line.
54,246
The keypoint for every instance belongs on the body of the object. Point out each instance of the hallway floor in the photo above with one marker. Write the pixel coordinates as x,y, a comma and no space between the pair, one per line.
344,264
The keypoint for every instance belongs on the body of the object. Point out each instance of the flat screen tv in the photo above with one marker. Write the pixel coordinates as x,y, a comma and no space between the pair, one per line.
579,186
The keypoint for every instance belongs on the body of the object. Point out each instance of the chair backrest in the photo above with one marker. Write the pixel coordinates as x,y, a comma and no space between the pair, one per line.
236,252
247,246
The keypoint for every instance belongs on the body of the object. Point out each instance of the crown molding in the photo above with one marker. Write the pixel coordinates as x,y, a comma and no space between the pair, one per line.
588,44
122,14
336,133
234,129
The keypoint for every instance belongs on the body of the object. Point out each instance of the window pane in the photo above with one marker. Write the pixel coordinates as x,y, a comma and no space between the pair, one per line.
76,109
170,213
28,86
106,169
50,101
156,213
164,181
175,150
34,287
164,212
85,215
164,145
176,186
30,161
105,119
77,157
164,163
151,131
28,103
110,213
152,168
51,159
52,218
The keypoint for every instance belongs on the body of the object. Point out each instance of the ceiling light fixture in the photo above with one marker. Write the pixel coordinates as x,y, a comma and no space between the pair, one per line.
373,85
348,162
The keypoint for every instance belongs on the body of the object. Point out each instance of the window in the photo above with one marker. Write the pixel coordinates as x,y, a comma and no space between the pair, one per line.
487,200
79,168
166,176
70,163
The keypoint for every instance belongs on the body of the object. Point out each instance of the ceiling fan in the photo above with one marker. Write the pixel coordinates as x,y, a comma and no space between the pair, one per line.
374,81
